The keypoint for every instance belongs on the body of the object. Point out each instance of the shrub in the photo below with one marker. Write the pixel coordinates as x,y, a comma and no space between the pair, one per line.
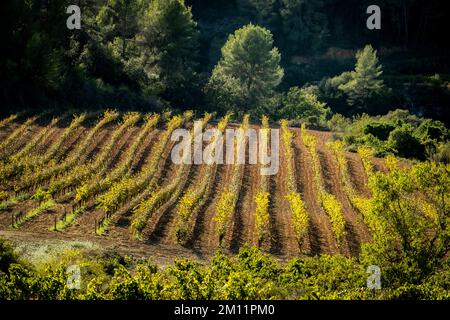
431,131
379,130
379,147
441,153
338,122
404,144
303,103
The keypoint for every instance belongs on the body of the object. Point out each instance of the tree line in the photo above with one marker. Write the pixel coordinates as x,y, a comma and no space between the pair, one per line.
250,55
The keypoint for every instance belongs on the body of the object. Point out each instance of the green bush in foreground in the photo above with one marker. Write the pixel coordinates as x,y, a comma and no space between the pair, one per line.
250,274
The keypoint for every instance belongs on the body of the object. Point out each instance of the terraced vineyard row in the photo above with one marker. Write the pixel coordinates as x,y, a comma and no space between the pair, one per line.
114,178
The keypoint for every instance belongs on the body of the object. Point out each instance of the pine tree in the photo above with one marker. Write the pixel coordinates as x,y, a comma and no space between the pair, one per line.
169,42
365,83
249,71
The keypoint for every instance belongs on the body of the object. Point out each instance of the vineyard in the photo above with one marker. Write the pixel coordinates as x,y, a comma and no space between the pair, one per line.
224,150
110,178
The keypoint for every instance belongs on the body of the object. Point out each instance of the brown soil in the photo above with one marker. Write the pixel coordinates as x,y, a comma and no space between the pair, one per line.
160,226
159,233
205,227
356,233
321,237
357,174
243,225
120,219
284,241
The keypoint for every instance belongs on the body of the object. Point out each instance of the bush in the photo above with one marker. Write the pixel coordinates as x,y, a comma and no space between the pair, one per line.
379,130
350,140
338,122
411,135
313,120
400,116
404,143
379,147
7,256
441,153
303,103
431,132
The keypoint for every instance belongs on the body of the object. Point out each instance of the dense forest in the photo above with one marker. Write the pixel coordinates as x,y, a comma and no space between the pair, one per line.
173,54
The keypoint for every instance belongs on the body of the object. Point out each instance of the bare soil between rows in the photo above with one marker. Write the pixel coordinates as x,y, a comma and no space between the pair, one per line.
159,241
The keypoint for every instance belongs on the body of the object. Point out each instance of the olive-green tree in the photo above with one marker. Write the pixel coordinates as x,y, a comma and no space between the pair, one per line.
365,82
303,104
169,44
248,73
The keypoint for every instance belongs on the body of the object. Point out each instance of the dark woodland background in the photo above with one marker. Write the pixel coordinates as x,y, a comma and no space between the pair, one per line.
130,56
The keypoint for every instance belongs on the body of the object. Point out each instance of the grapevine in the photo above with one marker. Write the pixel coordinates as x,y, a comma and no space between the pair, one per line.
121,191
300,218
124,190
89,189
144,211
262,198
195,196
30,146
7,145
8,120
226,204
330,204
80,154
